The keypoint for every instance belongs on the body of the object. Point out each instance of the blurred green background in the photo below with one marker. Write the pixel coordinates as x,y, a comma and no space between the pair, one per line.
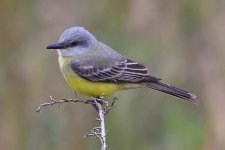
180,41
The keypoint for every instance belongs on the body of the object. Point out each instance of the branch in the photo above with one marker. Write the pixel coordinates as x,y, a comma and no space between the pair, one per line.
102,123
101,106
61,101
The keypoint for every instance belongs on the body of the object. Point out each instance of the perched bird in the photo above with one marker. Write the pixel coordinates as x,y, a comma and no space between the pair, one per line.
94,69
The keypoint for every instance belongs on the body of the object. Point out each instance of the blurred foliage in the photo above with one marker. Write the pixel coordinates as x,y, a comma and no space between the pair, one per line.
181,42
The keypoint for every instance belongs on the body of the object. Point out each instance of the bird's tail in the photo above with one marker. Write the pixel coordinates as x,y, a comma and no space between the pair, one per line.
172,91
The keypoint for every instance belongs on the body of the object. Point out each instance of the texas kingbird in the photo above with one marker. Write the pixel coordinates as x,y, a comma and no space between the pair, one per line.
94,69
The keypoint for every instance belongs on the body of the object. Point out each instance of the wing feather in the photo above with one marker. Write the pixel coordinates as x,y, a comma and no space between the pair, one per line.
124,70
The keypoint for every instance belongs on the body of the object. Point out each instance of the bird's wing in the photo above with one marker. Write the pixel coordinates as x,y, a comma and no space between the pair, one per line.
122,71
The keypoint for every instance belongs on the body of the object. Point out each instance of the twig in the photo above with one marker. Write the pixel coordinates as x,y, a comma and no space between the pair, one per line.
109,107
101,106
61,101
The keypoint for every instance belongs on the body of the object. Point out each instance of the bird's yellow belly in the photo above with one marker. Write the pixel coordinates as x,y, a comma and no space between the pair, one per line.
89,88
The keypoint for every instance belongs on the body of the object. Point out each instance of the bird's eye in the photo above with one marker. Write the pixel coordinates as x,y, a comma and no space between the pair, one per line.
74,43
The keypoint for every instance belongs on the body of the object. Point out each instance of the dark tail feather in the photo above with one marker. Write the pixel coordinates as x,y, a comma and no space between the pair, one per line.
172,91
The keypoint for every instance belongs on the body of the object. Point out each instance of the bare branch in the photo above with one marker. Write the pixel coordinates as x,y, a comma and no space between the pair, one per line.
61,101
102,124
100,105
112,105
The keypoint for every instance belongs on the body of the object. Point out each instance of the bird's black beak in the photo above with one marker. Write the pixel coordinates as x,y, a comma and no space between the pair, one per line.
56,45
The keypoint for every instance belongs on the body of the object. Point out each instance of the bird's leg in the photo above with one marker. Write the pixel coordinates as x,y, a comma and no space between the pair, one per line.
96,100
75,94
100,100
106,105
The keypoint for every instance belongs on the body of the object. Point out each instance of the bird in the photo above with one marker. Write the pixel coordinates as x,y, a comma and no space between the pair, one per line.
92,68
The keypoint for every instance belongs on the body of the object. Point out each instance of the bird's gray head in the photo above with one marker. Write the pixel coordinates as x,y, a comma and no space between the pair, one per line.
73,41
